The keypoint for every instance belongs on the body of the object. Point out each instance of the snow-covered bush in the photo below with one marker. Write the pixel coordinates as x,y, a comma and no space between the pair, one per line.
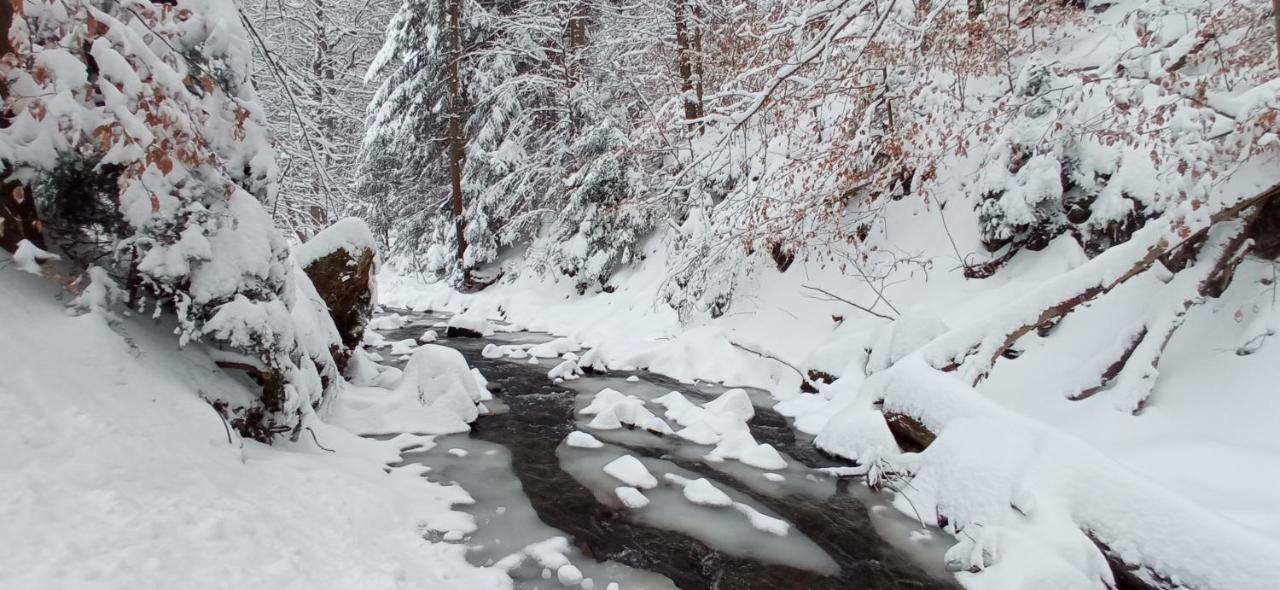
137,131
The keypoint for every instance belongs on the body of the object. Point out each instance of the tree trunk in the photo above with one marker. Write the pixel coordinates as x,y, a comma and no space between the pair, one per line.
1275,16
18,219
684,65
455,138
976,8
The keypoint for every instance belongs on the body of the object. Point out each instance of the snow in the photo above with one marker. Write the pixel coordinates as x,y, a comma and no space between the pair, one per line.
478,325
111,449
405,346
763,522
568,575
29,258
428,337
631,497
764,457
582,440
349,234
631,471
700,491
392,321
435,394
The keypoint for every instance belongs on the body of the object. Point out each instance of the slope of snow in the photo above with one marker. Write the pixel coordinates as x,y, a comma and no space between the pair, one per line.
115,473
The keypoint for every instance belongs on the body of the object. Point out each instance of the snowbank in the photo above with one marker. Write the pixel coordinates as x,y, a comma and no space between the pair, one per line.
117,473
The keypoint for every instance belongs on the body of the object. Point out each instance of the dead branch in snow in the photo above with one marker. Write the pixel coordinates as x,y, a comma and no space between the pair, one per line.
833,297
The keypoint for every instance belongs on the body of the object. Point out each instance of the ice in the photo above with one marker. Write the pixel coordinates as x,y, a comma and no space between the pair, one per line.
631,471
761,522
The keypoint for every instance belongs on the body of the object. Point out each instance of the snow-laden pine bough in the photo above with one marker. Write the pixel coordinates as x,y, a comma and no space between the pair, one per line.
1013,490
131,128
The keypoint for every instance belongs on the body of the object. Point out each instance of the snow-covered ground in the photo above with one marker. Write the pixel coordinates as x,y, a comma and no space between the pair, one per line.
115,473
1201,457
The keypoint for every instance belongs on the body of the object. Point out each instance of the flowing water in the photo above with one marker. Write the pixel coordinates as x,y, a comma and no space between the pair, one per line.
529,487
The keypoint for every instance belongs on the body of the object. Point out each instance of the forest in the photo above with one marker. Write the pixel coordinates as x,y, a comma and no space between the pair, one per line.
639,294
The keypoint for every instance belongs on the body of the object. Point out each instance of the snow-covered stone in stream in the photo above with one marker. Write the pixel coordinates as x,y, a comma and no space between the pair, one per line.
762,522
774,477
700,491
428,337
372,338
533,360
441,380
734,402
699,433
515,352
405,346
394,321
482,383
491,351
631,471
603,400
569,356
566,370
631,497
582,440
606,420
463,325
656,425
554,348
633,379
734,445
679,408
458,452
764,456
568,575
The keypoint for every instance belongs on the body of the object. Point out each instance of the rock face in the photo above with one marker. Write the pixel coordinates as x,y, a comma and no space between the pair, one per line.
342,263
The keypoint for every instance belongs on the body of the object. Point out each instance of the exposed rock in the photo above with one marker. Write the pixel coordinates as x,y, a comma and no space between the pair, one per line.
341,262
910,434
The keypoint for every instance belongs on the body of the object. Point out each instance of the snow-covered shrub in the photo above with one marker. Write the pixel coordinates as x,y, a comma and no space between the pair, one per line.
138,133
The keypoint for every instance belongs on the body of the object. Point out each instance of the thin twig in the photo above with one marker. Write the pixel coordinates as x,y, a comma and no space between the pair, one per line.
834,297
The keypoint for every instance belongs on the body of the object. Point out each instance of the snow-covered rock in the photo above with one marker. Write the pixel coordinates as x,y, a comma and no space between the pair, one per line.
631,471
582,440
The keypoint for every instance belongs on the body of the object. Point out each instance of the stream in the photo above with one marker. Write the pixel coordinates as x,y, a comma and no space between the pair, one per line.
529,486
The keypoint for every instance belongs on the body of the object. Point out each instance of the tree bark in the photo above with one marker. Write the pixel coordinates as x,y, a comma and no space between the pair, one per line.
18,220
684,65
976,8
1275,19
457,153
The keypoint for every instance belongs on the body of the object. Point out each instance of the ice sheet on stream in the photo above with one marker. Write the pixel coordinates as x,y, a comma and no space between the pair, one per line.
508,532
924,547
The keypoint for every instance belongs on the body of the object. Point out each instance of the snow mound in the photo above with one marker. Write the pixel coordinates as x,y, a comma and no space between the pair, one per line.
700,491
631,497
470,324
631,471
582,440
350,234
764,457
394,321
435,394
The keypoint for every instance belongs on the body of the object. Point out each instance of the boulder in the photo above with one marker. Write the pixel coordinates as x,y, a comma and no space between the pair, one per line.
341,262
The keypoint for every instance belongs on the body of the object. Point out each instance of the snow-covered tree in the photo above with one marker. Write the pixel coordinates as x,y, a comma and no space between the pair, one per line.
135,129
310,58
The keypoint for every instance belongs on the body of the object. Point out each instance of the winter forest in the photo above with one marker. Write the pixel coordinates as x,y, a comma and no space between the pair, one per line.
640,294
